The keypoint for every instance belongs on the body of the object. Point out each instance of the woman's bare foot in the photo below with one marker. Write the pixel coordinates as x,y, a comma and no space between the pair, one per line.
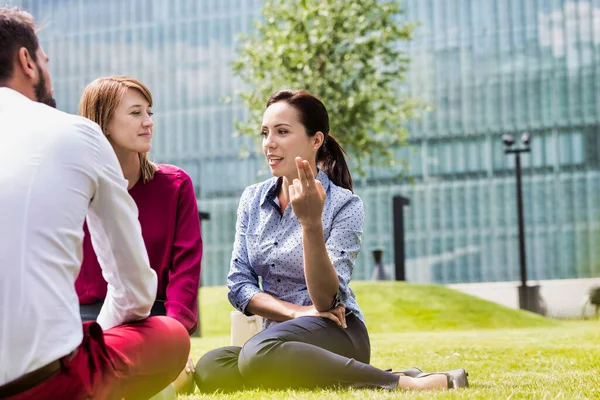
435,381
184,383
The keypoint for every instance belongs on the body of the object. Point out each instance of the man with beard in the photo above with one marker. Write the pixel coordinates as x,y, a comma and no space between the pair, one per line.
54,169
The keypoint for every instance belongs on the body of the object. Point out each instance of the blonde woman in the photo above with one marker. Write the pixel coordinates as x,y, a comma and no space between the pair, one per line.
165,198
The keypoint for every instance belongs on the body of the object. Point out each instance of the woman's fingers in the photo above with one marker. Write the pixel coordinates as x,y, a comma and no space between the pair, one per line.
320,188
298,186
343,318
301,172
340,312
305,173
331,316
342,308
306,179
310,177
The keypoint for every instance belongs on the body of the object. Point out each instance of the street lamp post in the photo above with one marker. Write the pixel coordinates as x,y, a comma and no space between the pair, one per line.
398,204
529,298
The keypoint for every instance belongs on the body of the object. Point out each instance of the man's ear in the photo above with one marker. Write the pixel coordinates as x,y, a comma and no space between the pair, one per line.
26,63
318,139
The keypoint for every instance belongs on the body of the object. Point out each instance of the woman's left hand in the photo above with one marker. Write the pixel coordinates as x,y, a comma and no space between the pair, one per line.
307,195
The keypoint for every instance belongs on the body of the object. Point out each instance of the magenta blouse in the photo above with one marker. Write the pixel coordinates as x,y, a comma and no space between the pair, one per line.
168,215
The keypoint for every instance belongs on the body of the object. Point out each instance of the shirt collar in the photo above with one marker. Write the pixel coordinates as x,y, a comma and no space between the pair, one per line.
12,94
273,186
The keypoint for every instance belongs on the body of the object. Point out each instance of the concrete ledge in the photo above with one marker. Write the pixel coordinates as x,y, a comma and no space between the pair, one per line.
564,298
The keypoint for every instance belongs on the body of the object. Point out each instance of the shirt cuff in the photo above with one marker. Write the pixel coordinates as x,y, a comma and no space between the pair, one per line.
183,315
241,301
337,300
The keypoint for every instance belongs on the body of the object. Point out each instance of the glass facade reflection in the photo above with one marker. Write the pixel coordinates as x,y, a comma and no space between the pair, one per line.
487,67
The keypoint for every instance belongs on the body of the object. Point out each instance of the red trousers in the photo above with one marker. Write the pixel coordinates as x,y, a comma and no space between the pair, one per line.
133,361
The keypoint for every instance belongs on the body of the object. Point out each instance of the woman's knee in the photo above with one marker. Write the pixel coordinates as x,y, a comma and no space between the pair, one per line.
254,356
218,370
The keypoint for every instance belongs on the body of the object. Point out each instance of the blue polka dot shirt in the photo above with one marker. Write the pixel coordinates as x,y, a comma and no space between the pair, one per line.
268,246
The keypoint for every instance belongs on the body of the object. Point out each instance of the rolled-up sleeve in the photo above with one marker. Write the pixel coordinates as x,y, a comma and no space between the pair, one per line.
242,280
343,244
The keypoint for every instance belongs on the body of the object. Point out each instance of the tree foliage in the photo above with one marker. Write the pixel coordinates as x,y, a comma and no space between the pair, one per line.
345,52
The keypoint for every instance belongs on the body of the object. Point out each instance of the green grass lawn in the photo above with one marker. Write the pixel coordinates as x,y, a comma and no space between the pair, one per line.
508,353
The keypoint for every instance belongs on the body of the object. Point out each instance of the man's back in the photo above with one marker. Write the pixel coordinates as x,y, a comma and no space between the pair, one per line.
57,170
53,167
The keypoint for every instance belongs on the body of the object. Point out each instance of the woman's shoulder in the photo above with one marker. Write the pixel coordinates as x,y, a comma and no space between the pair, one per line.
168,179
170,173
170,170
345,207
341,196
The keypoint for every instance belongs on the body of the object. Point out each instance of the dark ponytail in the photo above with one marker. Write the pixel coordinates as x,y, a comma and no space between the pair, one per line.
313,115
331,159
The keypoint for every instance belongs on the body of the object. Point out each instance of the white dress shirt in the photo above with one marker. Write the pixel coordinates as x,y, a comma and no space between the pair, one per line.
56,168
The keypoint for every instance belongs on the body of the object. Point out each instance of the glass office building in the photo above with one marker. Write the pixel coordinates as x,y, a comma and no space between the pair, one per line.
487,67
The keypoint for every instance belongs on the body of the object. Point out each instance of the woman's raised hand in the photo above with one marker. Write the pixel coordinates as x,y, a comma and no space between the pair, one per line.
307,195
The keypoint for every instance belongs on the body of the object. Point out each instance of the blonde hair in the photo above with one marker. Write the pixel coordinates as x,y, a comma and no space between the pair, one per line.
99,102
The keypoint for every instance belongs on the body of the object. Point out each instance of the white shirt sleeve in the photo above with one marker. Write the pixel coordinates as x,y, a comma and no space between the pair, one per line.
117,239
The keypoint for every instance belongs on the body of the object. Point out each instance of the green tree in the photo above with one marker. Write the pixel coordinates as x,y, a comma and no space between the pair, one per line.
348,54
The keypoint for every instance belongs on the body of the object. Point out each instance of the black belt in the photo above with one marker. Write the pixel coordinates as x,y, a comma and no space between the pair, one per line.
89,312
34,378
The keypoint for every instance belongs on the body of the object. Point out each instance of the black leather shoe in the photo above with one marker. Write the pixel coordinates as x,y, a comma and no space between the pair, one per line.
457,378
412,372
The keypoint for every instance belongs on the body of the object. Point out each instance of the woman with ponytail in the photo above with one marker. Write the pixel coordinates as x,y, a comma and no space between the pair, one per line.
300,233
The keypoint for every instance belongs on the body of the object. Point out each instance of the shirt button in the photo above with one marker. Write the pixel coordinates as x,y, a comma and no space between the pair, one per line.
272,265
278,280
276,243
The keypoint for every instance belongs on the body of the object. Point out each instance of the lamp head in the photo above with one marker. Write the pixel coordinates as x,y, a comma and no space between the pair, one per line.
508,140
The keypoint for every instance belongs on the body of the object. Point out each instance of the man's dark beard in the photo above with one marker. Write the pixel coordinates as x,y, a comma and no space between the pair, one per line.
41,93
